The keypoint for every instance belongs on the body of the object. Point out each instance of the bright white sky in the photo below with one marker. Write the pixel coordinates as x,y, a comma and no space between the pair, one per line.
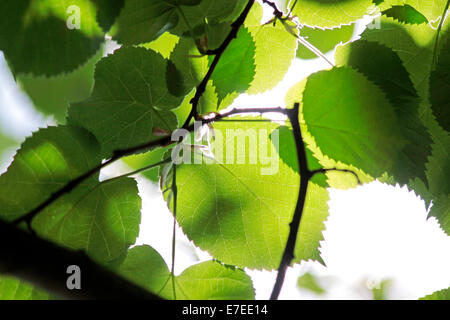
374,232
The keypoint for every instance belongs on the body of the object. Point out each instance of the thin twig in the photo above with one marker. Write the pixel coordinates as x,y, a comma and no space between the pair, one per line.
174,193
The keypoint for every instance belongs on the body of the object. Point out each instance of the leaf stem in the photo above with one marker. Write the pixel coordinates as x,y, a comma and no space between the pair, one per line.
174,192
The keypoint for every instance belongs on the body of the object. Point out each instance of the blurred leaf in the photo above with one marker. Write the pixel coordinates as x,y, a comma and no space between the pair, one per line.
108,11
15,289
443,294
52,96
380,290
142,21
309,282
35,37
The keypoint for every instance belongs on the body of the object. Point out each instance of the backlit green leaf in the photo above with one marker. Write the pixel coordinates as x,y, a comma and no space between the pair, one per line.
36,38
209,280
330,13
102,219
130,101
245,199
406,14
440,87
443,294
323,39
359,127
236,69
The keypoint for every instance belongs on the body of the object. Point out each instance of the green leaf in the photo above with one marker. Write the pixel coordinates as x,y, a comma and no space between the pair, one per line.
184,2
236,68
406,14
130,102
414,44
334,179
108,11
214,12
209,280
193,67
45,162
101,218
6,142
440,87
359,127
275,50
190,62
164,45
285,151
36,39
143,21
15,289
267,59
309,282
52,96
240,211
431,9
380,291
441,211
411,43
323,39
443,294
330,13
383,66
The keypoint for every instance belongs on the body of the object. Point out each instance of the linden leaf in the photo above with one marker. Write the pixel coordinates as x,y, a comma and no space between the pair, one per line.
245,197
130,98
208,280
44,37
359,128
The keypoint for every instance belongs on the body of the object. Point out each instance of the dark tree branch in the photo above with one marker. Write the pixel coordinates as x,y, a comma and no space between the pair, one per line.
44,265
235,26
305,176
